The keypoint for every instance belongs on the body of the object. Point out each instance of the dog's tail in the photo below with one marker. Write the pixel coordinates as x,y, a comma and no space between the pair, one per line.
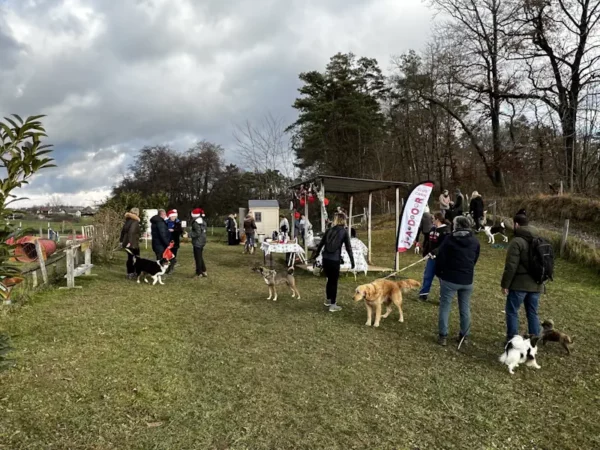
408,285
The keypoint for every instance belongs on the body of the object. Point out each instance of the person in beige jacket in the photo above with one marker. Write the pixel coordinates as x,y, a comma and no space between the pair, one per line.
445,202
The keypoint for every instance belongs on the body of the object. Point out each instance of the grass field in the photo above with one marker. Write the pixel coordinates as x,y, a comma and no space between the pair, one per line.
211,364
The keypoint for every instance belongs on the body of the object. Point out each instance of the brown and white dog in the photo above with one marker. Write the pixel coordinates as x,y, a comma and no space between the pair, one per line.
382,291
272,279
551,335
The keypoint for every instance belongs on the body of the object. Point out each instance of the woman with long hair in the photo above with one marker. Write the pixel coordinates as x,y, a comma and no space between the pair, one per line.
331,244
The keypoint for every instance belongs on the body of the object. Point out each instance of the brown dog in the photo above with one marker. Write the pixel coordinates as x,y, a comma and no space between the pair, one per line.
382,291
272,279
551,335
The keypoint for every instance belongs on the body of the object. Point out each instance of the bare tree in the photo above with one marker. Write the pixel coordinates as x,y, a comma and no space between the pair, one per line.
264,146
478,39
55,201
560,54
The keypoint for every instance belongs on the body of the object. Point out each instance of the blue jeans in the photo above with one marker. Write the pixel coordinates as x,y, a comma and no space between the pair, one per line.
428,277
447,291
250,240
514,300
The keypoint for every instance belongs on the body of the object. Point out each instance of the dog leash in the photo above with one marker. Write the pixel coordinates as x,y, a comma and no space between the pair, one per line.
407,267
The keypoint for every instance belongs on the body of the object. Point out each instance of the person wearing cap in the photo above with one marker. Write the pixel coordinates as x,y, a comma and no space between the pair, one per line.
130,238
199,241
176,231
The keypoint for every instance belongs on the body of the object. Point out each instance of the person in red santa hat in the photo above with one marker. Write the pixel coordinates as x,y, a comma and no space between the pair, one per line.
176,231
199,241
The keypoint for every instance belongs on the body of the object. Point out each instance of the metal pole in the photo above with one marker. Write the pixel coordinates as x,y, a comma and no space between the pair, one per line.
322,207
350,214
397,255
369,225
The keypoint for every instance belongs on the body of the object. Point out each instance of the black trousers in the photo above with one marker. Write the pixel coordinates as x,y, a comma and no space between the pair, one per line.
199,258
130,267
332,271
232,238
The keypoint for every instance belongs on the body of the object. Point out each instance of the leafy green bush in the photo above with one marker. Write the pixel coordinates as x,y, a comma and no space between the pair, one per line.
22,154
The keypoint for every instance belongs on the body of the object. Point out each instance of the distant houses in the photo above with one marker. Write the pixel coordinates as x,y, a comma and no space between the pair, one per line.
76,212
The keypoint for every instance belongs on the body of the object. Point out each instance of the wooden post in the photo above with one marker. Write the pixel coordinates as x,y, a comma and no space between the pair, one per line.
88,259
565,235
34,280
397,255
70,269
322,208
350,214
306,226
369,225
561,191
41,259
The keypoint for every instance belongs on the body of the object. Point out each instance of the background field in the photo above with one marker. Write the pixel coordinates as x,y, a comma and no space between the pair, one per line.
213,364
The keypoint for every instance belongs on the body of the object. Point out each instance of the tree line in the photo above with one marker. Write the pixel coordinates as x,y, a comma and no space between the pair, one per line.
505,98
161,176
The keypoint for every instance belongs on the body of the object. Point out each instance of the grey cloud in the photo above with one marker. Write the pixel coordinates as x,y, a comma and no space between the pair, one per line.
114,76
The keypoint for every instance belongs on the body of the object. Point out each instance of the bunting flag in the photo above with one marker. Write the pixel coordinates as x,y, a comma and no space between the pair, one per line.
414,207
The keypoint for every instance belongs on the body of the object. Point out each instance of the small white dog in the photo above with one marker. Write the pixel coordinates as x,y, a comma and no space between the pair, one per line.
520,350
490,232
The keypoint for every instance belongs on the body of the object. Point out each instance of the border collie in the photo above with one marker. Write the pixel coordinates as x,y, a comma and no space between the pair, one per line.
143,266
491,231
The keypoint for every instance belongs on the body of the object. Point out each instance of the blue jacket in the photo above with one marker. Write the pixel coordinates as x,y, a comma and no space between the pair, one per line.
175,230
456,258
161,237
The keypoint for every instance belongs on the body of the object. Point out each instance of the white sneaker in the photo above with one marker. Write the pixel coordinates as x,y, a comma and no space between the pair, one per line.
327,303
335,308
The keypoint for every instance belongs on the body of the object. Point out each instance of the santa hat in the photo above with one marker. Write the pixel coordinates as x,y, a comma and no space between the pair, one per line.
197,213
172,213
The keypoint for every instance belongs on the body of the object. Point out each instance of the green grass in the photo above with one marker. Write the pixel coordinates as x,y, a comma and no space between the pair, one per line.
211,364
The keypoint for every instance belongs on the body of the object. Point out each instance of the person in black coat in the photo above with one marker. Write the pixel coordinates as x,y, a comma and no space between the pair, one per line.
331,244
476,209
161,237
232,231
455,267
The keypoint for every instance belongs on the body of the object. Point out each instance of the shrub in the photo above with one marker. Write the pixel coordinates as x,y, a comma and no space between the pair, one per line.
107,239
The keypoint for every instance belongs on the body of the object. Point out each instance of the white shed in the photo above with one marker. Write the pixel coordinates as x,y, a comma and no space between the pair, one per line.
266,215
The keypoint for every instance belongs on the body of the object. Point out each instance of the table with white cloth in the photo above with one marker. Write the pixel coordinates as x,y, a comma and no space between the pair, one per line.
290,248
359,251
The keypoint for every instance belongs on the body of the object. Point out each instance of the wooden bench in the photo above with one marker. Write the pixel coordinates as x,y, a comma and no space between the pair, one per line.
74,269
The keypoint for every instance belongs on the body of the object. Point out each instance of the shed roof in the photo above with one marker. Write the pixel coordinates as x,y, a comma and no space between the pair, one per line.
263,203
344,185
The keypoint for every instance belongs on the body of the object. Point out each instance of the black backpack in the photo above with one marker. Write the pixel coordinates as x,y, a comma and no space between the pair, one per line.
541,260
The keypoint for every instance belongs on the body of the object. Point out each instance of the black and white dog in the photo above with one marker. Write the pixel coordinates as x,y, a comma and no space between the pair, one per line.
491,231
520,350
143,266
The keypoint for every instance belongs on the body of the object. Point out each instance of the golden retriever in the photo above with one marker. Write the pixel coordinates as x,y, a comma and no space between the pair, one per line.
382,291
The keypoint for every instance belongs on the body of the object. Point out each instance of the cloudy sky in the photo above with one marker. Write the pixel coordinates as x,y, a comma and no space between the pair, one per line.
115,75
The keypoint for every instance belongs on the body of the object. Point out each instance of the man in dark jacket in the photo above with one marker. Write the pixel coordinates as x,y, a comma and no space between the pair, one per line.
455,267
161,237
517,284
437,234
199,241
130,238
